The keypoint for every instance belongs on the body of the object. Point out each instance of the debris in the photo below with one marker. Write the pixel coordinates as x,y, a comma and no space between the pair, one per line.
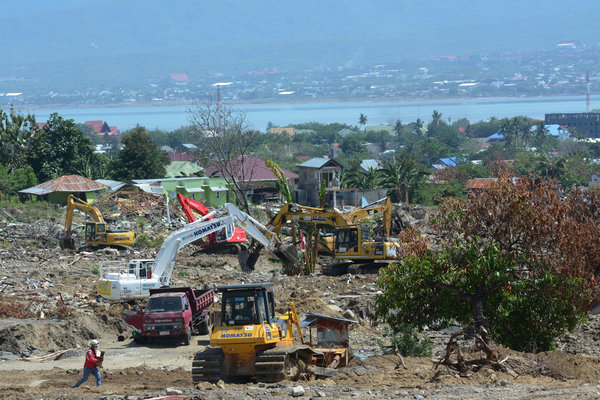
297,391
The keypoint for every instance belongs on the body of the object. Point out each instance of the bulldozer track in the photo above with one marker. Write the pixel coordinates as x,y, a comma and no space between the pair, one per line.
271,365
206,365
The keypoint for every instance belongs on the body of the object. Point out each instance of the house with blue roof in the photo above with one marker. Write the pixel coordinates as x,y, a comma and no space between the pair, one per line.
447,162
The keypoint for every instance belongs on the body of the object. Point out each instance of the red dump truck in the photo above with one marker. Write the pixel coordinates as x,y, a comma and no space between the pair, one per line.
172,312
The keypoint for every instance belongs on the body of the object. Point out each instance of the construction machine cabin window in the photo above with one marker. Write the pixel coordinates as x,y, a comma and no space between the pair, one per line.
241,310
346,239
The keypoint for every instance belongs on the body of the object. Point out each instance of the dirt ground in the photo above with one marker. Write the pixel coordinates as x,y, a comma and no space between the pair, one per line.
50,295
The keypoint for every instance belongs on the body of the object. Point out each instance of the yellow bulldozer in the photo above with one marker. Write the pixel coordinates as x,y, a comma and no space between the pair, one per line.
96,231
251,342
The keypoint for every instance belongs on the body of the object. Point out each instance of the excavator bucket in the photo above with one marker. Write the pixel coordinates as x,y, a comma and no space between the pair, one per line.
66,243
286,252
248,258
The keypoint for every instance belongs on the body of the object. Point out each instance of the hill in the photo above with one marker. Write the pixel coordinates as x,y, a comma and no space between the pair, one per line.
107,42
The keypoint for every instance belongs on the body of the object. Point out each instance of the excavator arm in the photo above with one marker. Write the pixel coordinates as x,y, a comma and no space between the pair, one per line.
265,236
304,214
296,320
73,203
190,205
165,259
381,207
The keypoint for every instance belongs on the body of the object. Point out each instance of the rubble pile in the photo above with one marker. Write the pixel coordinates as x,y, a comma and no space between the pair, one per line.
125,205
49,311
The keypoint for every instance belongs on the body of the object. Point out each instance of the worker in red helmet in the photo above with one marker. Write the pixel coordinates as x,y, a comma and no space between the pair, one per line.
93,359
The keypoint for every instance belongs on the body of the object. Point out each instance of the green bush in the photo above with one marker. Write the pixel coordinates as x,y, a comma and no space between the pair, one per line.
143,240
95,270
407,342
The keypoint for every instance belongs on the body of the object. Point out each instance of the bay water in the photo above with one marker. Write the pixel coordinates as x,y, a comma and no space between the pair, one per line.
169,118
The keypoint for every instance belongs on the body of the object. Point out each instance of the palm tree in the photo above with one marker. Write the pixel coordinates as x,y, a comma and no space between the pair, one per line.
364,180
550,166
437,117
362,120
419,126
403,174
398,128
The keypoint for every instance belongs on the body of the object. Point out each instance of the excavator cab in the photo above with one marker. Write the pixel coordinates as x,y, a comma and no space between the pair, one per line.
95,232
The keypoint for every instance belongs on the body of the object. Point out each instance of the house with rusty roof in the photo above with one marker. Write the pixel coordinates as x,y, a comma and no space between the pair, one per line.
258,180
57,190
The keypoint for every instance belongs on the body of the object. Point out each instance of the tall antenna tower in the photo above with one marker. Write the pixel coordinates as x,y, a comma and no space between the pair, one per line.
587,82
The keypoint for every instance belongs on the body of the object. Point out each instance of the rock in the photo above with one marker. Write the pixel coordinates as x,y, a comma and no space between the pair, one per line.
6,355
297,391
320,393
334,308
220,384
173,392
349,314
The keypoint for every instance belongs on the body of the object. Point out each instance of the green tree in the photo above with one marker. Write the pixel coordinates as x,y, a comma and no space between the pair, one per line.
17,134
403,175
550,166
352,144
140,158
362,120
398,128
363,180
15,179
61,149
577,171
518,260
419,126
435,121
525,163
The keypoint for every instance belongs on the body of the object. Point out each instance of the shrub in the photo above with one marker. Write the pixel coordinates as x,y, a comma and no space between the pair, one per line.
407,342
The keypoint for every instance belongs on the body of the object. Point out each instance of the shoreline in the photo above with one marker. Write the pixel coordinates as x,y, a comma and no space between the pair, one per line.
490,100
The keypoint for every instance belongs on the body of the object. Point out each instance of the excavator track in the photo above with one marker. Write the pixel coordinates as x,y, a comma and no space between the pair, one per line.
206,365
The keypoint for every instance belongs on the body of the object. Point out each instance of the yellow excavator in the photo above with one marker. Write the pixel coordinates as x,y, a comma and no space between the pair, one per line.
251,342
353,245
96,232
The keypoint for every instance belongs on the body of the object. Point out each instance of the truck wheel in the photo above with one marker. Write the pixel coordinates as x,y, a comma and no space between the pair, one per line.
187,337
204,326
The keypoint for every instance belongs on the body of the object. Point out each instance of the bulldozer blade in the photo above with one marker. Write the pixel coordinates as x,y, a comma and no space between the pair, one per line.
321,371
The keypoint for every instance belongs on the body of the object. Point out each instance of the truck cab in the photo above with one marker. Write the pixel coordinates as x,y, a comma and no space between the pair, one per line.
172,312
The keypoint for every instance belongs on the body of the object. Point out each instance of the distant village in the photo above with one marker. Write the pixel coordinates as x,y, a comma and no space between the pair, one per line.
186,177
569,69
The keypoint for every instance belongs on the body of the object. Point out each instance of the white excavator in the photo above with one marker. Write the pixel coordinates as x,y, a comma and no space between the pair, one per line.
135,280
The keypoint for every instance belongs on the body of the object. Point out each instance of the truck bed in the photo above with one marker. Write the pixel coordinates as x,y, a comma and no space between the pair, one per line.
199,298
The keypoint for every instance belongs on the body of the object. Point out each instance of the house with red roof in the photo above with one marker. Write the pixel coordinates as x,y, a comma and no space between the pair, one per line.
102,129
258,180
